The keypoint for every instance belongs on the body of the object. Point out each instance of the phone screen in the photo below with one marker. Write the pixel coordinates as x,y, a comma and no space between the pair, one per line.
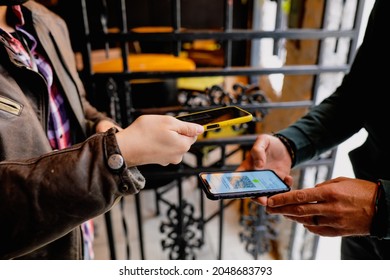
219,117
238,184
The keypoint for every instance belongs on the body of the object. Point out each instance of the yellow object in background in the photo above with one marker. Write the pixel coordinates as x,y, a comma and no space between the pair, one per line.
199,83
146,62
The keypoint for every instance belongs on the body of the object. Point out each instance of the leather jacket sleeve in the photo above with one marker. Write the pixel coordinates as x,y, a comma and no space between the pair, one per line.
44,198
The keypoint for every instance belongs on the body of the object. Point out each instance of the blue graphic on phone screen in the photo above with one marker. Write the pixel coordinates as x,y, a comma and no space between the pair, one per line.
241,182
236,182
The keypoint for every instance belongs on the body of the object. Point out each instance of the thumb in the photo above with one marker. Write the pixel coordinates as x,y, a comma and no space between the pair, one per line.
289,180
190,129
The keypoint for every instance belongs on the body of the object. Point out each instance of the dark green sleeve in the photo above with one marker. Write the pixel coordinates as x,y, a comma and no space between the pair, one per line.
358,103
386,210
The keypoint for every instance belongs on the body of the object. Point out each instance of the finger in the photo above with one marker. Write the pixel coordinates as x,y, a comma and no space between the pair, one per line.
260,200
259,157
312,220
301,220
241,167
246,164
300,210
289,180
189,129
325,231
258,152
309,195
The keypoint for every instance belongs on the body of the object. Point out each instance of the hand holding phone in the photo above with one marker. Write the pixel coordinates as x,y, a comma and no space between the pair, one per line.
219,117
240,184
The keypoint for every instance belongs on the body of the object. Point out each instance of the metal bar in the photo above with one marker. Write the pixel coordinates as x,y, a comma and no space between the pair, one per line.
124,29
186,172
86,51
278,25
176,19
320,58
126,116
110,235
228,26
249,107
232,34
357,24
221,209
232,71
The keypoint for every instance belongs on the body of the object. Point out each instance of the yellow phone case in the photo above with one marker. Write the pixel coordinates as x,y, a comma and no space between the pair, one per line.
219,117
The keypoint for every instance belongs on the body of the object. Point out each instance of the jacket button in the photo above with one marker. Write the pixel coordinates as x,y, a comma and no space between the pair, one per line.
125,188
116,162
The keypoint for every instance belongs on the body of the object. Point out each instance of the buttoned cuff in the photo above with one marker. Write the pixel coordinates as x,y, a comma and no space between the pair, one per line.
131,179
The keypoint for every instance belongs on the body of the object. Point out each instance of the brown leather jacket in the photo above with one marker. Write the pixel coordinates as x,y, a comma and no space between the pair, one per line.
46,195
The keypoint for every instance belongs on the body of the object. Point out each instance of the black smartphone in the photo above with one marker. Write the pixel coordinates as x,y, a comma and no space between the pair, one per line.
218,117
240,184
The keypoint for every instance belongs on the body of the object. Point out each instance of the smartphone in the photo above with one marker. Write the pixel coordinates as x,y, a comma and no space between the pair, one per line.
240,184
218,117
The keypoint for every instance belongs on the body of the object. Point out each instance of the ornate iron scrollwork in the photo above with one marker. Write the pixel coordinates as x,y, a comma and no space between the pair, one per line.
259,230
181,230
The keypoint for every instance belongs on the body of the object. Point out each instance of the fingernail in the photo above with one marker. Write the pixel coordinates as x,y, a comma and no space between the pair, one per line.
199,129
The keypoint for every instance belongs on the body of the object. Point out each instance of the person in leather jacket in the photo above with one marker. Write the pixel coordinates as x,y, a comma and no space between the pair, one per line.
355,208
62,162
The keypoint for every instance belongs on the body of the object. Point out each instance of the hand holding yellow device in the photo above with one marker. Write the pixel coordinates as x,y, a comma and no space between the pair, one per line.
218,117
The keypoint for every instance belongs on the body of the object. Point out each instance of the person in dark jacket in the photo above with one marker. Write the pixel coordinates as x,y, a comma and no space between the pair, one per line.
355,208
62,162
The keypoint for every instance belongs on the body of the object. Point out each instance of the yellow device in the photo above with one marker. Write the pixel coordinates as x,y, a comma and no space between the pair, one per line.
218,117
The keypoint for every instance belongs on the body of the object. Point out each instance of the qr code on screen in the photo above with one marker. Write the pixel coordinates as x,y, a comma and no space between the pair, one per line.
241,182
